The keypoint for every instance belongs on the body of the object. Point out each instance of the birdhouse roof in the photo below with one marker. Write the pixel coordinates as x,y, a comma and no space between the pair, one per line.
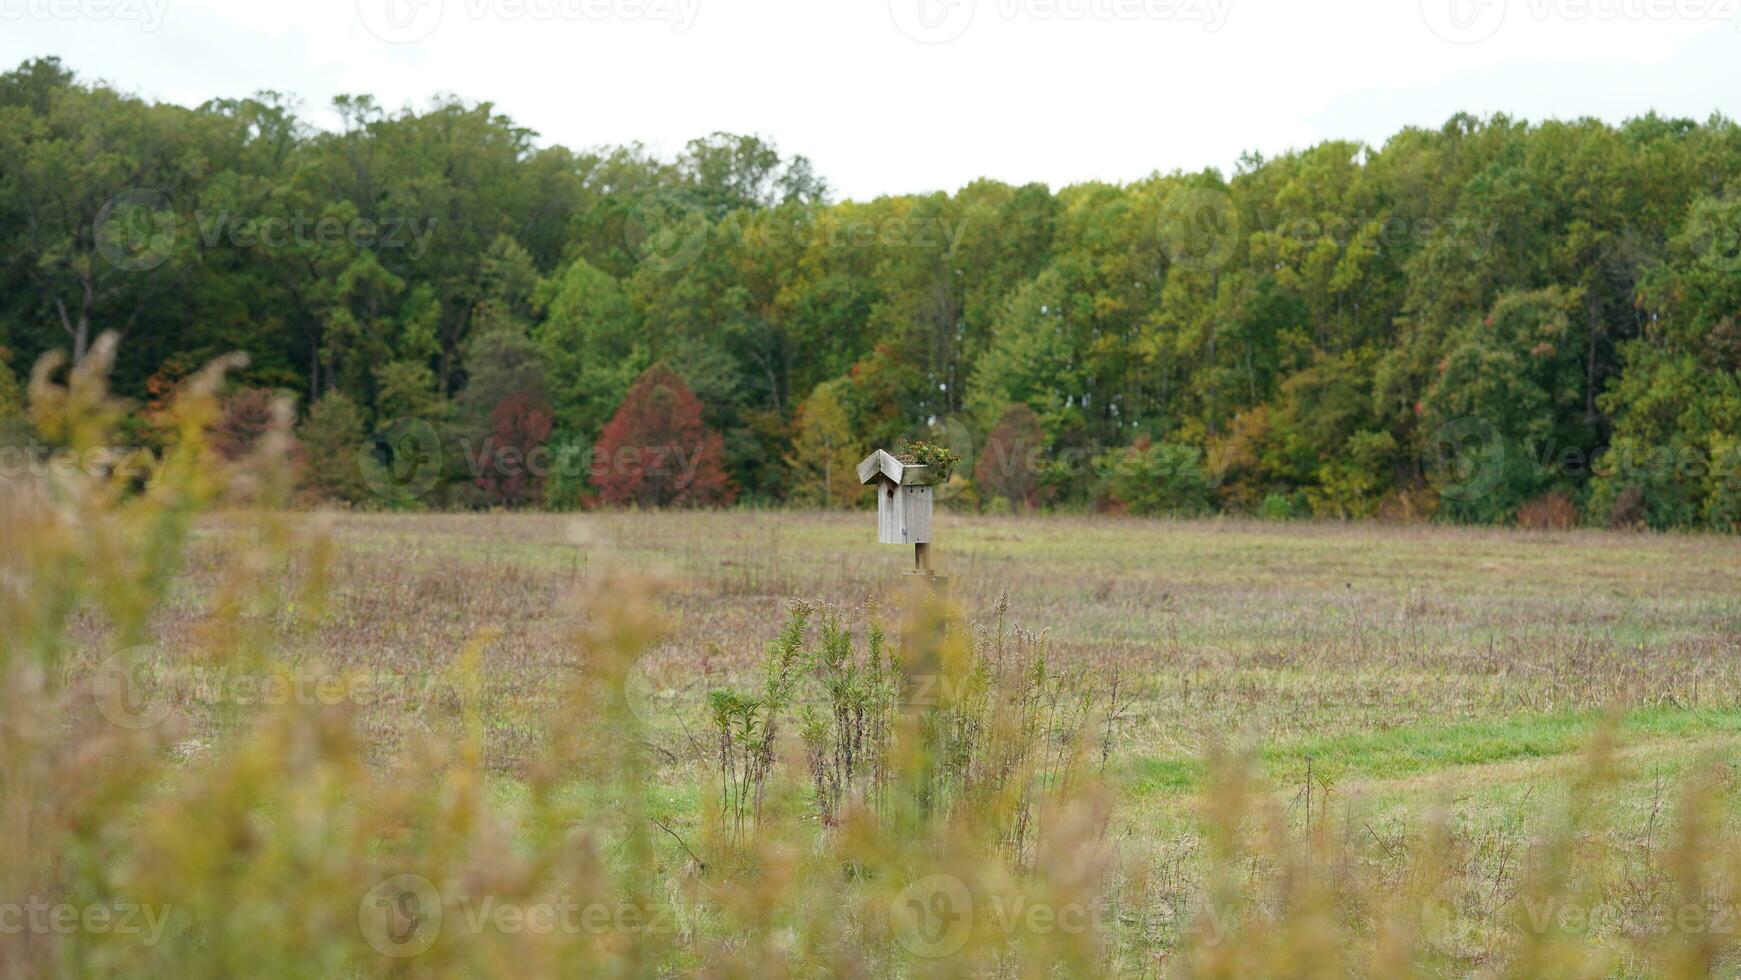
883,465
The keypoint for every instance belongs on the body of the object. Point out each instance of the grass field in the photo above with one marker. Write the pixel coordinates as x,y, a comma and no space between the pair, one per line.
1353,638
1378,679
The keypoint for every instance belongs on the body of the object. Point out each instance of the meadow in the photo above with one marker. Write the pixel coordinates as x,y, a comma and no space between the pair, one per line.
1415,647
1378,679
238,738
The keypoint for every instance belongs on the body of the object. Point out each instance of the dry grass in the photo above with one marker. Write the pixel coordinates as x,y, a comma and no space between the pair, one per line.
1412,677
1229,631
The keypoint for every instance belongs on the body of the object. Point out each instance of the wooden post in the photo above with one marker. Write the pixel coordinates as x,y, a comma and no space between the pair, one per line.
922,573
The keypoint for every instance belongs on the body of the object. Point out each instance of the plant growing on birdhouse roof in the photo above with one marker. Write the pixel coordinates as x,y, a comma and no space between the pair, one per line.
938,459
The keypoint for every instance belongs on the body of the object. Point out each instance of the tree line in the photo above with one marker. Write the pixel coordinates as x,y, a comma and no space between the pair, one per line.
1491,321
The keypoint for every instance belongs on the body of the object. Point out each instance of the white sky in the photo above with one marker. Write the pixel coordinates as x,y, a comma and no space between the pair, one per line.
1051,90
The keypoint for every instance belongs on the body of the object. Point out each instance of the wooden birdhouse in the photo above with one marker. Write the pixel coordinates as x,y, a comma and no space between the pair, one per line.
905,494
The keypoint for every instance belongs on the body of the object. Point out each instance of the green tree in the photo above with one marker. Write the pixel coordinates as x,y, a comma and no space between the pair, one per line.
99,201
591,342
1521,370
332,438
1677,405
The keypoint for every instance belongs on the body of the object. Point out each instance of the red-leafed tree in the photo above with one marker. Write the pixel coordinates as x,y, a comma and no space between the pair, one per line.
512,471
656,452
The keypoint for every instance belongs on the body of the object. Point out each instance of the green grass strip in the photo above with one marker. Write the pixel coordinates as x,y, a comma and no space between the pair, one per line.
1411,751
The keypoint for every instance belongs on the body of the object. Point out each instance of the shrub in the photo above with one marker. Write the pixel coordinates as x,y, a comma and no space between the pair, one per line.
997,722
1352,486
1552,511
1412,505
1627,513
1236,454
1641,486
1276,507
1159,479
247,415
332,439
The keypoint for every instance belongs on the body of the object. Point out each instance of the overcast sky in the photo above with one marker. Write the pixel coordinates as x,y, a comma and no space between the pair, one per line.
893,96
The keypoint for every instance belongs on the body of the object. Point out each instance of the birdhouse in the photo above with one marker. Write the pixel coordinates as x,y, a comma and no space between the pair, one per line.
904,498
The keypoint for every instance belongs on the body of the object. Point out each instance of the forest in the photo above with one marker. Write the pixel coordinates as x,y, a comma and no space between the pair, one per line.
1495,321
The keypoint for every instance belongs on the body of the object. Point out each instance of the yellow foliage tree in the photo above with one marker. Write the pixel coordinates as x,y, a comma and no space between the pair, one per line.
823,451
